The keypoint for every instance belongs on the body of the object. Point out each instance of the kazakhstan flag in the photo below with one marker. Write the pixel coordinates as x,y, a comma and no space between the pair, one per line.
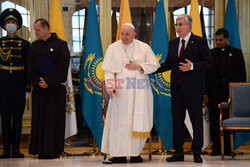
161,82
92,76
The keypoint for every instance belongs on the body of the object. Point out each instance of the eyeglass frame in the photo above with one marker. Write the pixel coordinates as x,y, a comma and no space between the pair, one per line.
180,24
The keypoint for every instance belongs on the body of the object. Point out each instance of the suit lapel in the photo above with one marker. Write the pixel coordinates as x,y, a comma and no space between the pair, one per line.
176,47
189,46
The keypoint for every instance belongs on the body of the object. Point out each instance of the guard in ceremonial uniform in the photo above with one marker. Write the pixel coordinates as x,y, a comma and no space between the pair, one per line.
229,66
13,57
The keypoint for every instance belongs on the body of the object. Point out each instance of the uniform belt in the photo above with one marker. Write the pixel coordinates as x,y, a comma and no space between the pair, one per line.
12,68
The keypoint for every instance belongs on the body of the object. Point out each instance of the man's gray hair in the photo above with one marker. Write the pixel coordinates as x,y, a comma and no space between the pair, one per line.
188,18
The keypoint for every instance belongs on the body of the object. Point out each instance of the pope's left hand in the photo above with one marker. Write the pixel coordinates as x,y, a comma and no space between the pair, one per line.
184,67
133,66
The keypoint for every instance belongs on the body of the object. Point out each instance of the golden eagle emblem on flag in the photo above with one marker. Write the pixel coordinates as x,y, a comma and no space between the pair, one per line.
161,82
95,77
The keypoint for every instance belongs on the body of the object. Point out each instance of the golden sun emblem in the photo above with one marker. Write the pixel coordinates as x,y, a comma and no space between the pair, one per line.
161,81
95,75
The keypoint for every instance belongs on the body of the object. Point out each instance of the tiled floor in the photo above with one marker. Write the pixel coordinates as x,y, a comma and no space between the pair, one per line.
158,160
241,160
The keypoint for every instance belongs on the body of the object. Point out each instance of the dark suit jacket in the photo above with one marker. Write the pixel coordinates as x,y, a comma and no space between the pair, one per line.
197,51
228,66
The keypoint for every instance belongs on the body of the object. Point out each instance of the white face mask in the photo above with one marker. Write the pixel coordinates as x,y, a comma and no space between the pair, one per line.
11,28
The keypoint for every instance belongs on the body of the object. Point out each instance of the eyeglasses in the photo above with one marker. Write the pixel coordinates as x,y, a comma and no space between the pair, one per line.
180,24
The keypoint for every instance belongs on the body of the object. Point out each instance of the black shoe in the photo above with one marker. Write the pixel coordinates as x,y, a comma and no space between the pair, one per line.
215,153
197,158
229,153
118,160
43,156
17,154
137,159
176,157
6,154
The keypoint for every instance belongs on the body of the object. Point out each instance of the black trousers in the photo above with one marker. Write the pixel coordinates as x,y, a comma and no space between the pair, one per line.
214,115
193,103
12,105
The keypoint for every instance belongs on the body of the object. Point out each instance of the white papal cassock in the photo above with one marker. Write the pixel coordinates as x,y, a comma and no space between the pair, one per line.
129,117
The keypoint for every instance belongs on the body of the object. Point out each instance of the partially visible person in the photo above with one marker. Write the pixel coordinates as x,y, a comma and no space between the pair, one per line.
228,66
188,58
129,119
48,64
13,81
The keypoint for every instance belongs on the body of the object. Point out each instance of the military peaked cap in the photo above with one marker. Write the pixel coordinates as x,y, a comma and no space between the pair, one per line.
11,13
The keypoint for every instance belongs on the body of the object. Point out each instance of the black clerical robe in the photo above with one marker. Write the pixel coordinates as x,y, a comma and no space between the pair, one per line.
228,66
50,60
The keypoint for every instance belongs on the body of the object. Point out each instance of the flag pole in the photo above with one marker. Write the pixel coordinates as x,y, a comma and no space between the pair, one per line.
95,151
162,150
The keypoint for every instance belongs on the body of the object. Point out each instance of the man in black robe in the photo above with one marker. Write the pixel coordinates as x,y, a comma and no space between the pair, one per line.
13,80
229,66
48,68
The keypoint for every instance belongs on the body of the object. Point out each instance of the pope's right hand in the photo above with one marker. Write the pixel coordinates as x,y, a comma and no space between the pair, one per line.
110,92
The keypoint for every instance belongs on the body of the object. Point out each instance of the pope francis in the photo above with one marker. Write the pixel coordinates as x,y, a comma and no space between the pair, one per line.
129,118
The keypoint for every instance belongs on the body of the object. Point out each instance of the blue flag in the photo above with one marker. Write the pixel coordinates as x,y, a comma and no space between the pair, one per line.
92,76
231,24
161,82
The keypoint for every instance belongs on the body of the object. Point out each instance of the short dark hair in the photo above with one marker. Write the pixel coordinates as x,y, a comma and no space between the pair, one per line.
43,22
222,31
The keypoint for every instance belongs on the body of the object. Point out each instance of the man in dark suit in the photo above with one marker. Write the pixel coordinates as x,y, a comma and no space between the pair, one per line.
229,66
188,58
